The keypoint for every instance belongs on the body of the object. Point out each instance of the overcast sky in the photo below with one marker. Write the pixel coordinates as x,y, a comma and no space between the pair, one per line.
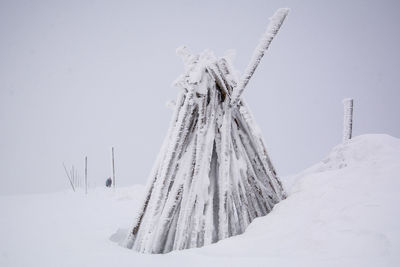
78,77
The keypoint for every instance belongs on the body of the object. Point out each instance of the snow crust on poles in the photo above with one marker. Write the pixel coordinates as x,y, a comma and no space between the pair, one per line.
213,175
275,24
348,119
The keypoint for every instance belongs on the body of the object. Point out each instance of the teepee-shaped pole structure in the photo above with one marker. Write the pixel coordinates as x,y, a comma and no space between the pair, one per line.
213,175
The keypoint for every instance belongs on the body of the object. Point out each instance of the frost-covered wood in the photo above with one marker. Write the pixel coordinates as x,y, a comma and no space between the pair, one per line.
348,119
275,24
213,175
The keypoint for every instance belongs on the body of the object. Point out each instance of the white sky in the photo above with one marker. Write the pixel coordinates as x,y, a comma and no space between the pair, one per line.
78,77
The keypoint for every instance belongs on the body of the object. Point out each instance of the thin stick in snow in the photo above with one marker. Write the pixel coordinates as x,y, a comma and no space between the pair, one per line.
348,119
86,181
69,178
73,176
113,166
273,27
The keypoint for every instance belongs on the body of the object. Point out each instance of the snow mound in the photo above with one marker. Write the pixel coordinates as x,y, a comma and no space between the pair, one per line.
342,211
360,151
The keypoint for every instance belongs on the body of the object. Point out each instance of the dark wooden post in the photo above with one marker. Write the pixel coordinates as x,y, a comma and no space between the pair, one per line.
113,166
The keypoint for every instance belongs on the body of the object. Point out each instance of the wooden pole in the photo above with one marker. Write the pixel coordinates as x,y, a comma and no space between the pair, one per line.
113,166
86,181
69,178
273,27
348,119
72,176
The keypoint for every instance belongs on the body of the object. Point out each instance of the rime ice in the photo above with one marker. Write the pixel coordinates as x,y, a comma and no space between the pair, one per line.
213,175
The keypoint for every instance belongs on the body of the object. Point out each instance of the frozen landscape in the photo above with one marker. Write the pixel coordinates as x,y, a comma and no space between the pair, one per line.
83,86
343,211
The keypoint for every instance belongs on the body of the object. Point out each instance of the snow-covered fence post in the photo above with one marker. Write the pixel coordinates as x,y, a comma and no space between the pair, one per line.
348,119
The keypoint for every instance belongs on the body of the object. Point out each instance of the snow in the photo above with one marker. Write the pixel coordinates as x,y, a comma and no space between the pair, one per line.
343,211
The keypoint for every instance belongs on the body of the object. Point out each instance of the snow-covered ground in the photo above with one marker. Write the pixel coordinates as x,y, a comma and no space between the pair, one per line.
343,211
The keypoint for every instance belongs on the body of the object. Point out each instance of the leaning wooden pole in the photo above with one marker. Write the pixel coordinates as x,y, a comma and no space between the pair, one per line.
113,166
274,25
348,119
69,178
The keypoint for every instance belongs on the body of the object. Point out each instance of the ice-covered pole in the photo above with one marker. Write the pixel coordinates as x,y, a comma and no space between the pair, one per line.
348,119
273,27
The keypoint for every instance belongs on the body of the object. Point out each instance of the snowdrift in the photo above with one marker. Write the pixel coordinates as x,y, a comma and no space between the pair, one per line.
342,211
